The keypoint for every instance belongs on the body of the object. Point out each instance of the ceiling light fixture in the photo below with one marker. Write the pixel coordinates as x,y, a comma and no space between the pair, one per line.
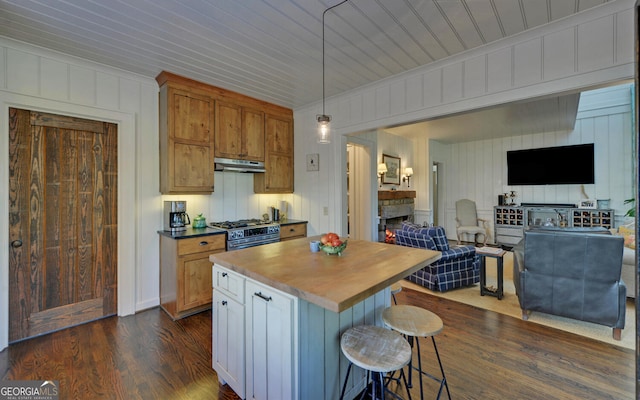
324,120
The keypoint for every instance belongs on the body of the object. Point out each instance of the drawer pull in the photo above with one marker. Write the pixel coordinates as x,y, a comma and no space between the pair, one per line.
224,274
263,297
204,243
292,230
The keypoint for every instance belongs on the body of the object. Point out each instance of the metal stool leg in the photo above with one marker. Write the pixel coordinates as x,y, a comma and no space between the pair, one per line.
420,369
346,379
443,381
444,378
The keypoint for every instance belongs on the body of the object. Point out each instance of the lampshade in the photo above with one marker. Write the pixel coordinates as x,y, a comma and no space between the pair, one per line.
408,171
382,168
324,128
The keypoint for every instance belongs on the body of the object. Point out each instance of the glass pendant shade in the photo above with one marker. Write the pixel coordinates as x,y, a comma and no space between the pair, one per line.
324,128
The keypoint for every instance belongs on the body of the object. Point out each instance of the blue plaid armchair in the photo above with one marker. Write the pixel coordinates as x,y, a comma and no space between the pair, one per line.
458,266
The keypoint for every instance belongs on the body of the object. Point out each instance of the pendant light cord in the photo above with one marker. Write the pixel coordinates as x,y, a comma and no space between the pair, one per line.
323,14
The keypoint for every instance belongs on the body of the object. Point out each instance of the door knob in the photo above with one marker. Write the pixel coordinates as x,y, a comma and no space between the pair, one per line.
16,243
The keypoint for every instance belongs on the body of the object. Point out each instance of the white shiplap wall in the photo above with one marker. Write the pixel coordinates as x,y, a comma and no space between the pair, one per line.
478,170
590,49
38,79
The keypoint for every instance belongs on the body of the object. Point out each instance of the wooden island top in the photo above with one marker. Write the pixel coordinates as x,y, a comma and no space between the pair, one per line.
333,282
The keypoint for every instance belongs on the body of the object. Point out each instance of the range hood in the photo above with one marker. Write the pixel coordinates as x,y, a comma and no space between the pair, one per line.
228,164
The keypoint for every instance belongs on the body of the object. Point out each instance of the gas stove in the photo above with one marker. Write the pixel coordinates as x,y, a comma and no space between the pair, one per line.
248,232
241,223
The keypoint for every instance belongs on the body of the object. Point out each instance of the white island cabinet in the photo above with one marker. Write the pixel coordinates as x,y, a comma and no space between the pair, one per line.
228,327
296,304
271,343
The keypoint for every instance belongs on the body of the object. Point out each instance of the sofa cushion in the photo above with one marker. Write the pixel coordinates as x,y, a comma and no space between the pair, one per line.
415,239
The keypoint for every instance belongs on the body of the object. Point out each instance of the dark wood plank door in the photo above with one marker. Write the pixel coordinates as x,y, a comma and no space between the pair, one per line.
62,222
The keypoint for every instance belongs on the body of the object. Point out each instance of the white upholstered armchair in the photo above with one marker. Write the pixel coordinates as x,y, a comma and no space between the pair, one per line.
467,221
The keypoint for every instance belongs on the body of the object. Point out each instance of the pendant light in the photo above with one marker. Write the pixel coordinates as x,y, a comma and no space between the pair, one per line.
324,120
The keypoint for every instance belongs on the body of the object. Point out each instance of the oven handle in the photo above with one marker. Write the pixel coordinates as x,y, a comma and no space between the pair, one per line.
263,297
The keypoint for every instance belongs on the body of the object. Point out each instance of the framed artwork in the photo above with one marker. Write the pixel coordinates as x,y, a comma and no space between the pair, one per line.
392,176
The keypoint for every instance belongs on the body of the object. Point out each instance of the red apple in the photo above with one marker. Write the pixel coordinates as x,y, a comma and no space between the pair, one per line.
336,242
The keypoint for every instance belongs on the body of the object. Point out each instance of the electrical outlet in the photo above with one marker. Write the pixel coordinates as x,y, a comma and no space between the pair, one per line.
325,210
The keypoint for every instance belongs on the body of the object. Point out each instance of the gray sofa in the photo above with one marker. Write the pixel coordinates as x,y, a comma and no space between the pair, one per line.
571,272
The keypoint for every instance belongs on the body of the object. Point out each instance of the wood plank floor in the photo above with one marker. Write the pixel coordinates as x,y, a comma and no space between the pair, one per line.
485,356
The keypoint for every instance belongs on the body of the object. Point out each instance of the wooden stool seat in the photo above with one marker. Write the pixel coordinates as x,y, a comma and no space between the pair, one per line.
375,349
379,351
415,322
412,321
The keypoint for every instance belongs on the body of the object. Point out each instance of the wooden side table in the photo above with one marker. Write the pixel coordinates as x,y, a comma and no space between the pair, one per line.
498,254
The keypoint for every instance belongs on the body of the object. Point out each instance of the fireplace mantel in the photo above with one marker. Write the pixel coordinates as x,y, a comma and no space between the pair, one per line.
396,194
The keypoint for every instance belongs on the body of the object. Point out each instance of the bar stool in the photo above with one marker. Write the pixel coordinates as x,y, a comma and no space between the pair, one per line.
416,322
395,289
377,350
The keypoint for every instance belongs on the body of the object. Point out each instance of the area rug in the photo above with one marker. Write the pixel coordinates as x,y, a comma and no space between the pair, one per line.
509,306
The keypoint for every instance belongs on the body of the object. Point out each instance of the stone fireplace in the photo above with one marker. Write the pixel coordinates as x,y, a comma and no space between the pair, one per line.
394,207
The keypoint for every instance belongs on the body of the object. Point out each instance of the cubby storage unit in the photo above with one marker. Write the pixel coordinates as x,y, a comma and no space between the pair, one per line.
511,221
592,218
508,223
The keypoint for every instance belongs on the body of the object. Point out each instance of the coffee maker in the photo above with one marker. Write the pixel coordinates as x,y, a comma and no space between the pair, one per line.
176,218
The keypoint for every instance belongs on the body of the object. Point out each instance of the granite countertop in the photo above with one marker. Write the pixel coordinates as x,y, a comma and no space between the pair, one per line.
291,221
333,282
193,232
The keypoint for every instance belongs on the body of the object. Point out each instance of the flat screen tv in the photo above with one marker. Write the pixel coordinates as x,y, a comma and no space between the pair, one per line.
551,165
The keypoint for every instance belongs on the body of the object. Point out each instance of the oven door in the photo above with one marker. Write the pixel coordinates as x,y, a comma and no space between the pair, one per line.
250,242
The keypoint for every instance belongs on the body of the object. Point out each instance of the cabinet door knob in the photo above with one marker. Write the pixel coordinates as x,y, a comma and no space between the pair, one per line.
263,297
204,243
224,274
16,243
224,302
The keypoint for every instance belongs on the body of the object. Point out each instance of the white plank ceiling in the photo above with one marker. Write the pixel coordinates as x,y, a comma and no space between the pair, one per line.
272,49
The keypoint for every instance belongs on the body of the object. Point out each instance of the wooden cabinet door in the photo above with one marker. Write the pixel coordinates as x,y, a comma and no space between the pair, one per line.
228,138
228,355
252,134
270,343
186,141
239,132
279,131
278,157
196,280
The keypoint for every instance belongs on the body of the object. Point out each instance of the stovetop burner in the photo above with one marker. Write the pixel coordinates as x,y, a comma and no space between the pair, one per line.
238,224
248,232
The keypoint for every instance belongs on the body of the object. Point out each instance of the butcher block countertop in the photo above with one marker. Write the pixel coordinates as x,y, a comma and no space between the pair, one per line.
333,282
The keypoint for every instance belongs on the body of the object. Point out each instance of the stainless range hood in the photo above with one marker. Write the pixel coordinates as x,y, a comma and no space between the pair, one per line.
228,164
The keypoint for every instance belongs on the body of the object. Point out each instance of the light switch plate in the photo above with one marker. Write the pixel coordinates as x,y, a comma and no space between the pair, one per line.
312,162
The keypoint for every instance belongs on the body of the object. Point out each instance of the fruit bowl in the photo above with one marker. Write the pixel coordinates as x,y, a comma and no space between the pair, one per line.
334,250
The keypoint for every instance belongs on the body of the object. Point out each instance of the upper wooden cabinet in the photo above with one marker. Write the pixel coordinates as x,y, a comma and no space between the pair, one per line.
199,122
278,156
186,140
239,132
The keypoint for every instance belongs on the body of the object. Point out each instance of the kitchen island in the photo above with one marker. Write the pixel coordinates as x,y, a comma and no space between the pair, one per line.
279,311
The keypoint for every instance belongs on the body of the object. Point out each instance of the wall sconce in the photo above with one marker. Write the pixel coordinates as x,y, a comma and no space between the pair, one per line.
382,168
408,173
